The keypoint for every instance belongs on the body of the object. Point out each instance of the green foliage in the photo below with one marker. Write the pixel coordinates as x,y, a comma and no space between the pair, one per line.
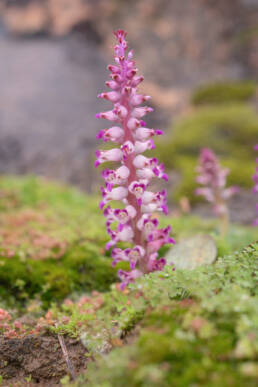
199,328
53,234
182,328
230,130
70,219
81,269
224,92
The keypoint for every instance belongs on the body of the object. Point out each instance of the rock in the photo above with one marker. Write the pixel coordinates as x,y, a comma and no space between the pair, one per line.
192,252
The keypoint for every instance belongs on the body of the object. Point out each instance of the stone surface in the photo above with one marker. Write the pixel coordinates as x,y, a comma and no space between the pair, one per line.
192,252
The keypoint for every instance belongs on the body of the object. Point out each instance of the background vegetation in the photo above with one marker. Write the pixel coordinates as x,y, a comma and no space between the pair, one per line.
219,121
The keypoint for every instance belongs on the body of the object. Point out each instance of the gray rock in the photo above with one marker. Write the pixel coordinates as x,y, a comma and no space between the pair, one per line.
192,252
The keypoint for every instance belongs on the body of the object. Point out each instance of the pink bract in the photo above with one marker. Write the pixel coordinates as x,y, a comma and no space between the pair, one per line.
129,182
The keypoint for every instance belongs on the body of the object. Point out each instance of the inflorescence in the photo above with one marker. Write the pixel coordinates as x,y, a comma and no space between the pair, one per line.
129,183
213,177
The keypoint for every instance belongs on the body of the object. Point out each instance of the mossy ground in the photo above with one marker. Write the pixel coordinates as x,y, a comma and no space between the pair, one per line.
53,237
195,327
177,328
223,121
224,92
51,244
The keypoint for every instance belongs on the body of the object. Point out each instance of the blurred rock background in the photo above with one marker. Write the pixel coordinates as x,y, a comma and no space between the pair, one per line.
53,59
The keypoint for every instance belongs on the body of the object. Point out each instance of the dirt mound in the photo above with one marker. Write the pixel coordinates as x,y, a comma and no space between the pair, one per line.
38,359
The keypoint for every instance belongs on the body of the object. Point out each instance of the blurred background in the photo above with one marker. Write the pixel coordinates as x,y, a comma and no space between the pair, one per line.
200,62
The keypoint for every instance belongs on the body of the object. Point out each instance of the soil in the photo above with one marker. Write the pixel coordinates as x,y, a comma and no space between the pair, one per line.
39,359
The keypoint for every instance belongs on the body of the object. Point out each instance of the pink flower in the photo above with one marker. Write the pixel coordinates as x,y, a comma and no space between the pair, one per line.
141,161
129,183
134,255
137,189
125,234
213,177
127,149
118,193
123,216
156,264
118,176
114,134
141,111
158,238
111,96
118,255
108,155
140,147
109,115
128,277
143,134
154,201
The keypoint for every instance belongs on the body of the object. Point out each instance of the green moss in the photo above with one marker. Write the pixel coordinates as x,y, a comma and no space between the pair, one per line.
230,130
200,330
53,232
80,269
224,92
71,218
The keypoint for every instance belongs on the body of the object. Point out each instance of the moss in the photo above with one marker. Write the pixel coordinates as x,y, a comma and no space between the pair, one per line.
78,270
200,330
51,244
68,253
230,130
224,92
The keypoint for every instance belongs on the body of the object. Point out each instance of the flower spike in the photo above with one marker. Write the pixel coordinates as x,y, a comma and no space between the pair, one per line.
213,179
128,183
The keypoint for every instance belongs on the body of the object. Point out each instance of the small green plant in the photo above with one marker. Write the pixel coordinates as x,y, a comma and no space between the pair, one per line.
230,130
28,379
224,92
50,243
199,327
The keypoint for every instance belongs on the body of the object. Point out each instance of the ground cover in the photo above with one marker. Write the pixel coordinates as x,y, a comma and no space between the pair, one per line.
56,280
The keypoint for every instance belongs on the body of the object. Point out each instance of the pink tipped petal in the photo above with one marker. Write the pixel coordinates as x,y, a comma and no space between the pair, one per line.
141,112
101,204
113,85
137,99
109,115
112,96
133,123
137,80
